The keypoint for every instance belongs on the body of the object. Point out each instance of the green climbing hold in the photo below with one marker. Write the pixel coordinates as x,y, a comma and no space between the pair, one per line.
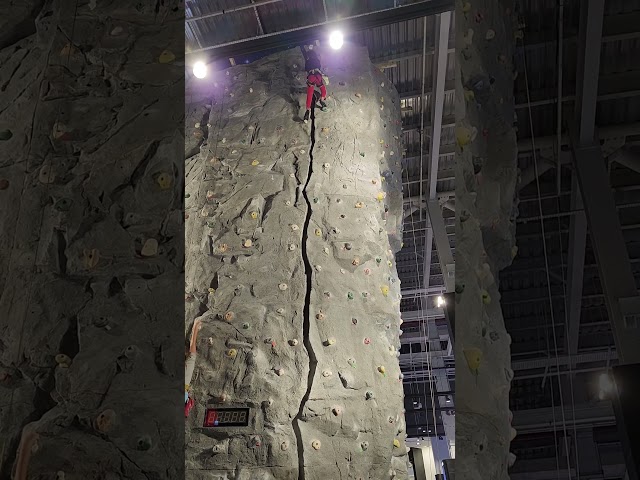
315,200
459,288
63,205
362,154
245,326
350,296
187,195
5,135
378,260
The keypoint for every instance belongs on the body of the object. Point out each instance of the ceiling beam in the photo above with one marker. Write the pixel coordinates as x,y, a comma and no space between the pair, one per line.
544,419
299,35
227,11
604,133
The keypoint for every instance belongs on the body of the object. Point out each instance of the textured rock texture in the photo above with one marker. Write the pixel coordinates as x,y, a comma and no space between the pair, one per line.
486,174
290,241
91,117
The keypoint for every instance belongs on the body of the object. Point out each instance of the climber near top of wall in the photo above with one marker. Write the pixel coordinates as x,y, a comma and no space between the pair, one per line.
315,78
190,364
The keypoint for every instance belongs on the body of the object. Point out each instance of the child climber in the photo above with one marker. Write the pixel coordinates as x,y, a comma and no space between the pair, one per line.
189,365
315,78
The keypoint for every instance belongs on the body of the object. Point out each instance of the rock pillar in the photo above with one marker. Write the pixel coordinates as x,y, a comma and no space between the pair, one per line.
291,234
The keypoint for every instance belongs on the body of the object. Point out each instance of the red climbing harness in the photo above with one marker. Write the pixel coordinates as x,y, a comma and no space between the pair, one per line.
188,406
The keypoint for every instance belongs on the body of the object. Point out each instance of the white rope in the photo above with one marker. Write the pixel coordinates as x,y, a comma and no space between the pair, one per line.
546,258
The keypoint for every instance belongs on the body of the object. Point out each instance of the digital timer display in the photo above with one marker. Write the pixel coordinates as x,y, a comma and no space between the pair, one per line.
226,417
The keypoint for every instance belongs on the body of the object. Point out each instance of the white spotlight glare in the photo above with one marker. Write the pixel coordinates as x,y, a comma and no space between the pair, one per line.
336,40
200,70
440,301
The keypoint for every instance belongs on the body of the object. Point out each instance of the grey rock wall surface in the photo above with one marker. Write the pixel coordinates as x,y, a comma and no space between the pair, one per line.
290,240
91,117
486,174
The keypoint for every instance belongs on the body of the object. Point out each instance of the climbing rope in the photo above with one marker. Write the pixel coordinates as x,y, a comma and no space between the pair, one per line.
546,259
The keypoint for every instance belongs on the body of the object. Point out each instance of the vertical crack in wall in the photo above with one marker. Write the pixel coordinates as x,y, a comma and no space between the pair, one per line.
313,362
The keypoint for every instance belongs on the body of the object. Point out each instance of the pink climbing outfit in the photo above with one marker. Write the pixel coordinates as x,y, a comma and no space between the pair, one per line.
314,79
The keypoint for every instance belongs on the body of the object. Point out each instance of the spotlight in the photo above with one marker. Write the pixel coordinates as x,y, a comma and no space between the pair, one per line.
605,386
200,70
336,40
440,301
448,399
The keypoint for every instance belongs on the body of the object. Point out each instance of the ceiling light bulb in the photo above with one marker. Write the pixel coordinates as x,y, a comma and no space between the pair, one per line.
200,70
336,40
440,301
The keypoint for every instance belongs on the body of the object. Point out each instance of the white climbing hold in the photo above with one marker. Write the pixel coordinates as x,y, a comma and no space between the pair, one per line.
326,373
283,286
280,372
294,227
251,90
197,125
316,444
292,247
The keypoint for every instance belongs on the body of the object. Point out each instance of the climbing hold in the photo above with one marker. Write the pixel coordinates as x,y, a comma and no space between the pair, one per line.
104,420
282,286
390,419
342,270
293,342
350,295
358,95
330,341
229,316
316,200
166,57
378,260
511,459
459,288
364,445
355,262
486,298
381,369
150,248
326,373
514,251
369,395
232,352
466,7
280,372
367,271
62,205
479,17
90,258
401,376
197,125
291,247
336,411
5,135
362,154
390,263
464,135
512,433
280,311
385,290
380,197
254,215
326,166
63,360
287,203
316,444
284,445
320,316
473,356
144,443
367,341
223,247
46,176
4,183
247,243
245,326
255,441
318,232
396,443
351,362
294,227
255,162
347,246
354,321
251,90
164,181
491,34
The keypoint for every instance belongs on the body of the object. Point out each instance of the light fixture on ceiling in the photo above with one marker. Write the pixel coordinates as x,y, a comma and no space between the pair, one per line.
336,40
440,301
448,400
605,386
199,70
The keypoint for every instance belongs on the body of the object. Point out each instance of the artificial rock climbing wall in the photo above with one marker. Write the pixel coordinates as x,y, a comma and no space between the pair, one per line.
91,236
486,174
290,241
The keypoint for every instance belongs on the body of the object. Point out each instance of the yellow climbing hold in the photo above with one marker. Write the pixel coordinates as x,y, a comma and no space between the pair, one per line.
385,290
255,162
254,215
212,291
486,298
166,57
164,181
381,369
396,443
469,95
318,232
232,352
380,196
514,251
390,263
463,136
466,7
473,356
